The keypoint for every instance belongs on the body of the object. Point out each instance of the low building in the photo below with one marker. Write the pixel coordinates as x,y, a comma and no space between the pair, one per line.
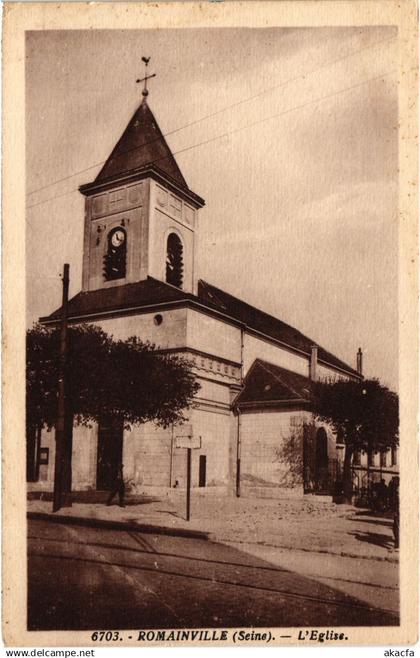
370,468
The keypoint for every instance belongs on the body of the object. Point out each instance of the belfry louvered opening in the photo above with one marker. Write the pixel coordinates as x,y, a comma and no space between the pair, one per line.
174,261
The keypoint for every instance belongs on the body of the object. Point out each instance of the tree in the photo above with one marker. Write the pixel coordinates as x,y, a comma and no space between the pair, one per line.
364,414
128,379
87,345
145,385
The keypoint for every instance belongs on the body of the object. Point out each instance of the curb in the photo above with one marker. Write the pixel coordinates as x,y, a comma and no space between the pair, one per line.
322,551
192,534
118,525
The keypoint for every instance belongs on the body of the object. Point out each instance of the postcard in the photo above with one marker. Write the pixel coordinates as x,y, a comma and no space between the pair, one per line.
210,324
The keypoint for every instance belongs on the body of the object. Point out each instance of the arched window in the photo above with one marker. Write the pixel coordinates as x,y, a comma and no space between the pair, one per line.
321,448
174,260
116,255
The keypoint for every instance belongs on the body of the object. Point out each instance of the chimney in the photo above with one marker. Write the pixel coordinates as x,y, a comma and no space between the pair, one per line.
359,367
314,360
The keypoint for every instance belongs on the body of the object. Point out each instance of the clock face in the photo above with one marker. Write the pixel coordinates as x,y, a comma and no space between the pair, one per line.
117,238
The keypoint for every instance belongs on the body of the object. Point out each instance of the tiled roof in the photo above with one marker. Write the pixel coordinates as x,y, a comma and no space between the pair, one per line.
151,292
262,322
120,298
142,144
270,384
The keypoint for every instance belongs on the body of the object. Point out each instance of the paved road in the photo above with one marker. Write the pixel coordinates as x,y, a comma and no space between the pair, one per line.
373,582
95,578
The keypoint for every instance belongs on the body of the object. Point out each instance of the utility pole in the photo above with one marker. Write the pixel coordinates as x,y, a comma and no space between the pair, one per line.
60,430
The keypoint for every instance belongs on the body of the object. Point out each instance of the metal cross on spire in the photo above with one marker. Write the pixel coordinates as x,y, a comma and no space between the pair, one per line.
145,92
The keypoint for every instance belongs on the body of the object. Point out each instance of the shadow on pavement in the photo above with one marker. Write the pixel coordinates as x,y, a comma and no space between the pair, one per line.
374,521
386,541
91,578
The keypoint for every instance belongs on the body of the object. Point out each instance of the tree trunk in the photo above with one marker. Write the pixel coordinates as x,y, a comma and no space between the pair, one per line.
347,475
369,456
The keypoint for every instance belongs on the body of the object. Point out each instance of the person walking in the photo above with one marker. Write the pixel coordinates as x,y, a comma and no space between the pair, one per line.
382,496
394,487
118,488
396,509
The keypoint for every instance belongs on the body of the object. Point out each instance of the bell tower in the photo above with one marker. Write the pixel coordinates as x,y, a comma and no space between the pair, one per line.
140,215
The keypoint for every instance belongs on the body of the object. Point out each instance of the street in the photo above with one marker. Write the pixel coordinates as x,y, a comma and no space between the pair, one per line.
95,578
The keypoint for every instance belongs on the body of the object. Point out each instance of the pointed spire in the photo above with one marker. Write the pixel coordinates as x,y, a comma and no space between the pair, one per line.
142,151
142,145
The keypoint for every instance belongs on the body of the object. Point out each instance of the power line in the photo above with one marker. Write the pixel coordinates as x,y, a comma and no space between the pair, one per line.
274,116
281,84
249,125
220,111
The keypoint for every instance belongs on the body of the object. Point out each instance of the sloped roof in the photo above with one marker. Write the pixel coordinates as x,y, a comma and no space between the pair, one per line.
121,298
264,323
151,292
142,144
270,384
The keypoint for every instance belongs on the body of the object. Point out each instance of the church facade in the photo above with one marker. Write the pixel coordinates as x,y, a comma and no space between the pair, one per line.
251,416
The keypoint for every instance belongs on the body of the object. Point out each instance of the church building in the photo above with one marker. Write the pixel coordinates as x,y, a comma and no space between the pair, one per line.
141,277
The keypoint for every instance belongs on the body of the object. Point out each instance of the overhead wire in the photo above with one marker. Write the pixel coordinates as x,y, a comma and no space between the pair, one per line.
279,114
217,112
236,130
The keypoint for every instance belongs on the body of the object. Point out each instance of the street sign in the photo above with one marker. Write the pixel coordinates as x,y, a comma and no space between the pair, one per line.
188,441
184,430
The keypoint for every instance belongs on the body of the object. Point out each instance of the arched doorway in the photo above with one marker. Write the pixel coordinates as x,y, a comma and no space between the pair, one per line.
321,461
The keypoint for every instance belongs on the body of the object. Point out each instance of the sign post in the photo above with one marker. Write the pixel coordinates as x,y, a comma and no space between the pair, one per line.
188,484
189,442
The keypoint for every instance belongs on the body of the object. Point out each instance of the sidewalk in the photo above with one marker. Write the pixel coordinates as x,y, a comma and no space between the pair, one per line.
302,524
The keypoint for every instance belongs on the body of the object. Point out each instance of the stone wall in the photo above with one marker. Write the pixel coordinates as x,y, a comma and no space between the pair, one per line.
170,333
170,214
157,462
272,448
257,348
213,336
83,459
124,206
263,435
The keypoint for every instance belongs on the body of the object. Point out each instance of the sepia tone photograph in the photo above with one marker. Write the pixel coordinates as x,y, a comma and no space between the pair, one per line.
212,409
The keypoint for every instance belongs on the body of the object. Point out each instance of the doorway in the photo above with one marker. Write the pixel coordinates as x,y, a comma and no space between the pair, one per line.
202,471
321,461
110,442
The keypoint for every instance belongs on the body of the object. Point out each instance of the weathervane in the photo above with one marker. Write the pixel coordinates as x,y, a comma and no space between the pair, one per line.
145,93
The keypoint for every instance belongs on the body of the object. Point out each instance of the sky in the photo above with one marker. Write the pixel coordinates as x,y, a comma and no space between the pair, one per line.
298,165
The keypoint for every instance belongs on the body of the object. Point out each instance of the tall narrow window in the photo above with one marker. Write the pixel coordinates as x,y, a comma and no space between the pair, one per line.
382,456
174,261
116,255
394,459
